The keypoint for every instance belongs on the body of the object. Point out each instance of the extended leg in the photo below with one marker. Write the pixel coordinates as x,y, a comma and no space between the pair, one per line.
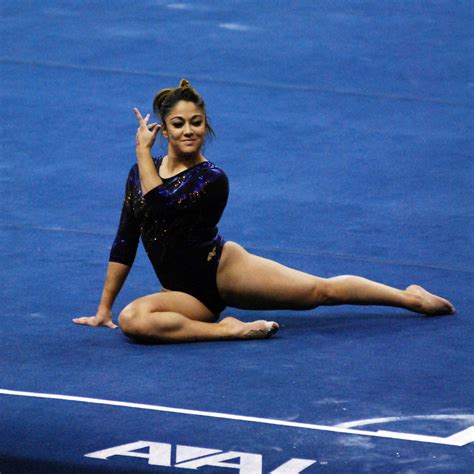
349,289
252,282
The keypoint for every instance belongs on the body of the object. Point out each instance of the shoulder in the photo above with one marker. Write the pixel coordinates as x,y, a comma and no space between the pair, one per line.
215,183
213,173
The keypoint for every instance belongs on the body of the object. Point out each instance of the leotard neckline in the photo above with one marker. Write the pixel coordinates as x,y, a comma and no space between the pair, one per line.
178,174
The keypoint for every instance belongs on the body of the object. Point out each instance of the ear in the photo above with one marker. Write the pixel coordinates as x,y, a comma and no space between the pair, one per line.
163,130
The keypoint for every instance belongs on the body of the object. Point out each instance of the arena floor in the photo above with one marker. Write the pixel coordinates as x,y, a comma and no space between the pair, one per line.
345,128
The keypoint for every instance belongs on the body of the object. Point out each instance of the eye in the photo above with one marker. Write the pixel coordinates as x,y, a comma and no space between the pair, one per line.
177,124
197,123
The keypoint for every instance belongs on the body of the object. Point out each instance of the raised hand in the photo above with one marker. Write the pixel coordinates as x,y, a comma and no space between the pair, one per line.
146,133
102,318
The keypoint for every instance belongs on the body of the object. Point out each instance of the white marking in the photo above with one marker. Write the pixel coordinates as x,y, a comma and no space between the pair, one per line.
356,442
159,454
375,421
328,401
293,466
186,453
463,437
451,441
234,26
179,6
248,463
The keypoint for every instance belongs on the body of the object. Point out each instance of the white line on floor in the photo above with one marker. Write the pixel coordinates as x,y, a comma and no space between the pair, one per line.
457,439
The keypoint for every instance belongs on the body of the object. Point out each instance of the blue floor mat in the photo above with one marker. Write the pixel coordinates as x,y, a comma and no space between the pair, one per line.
346,131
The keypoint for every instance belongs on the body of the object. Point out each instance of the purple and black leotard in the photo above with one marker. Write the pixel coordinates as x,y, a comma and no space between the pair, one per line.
177,222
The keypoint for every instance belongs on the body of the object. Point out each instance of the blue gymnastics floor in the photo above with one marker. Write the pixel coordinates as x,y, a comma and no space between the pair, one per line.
345,129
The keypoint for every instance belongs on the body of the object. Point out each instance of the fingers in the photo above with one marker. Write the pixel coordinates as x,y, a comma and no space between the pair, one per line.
156,130
142,122
139,116
86,321
93,321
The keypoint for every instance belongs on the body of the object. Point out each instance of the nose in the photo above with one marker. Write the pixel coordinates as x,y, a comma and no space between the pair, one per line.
187,130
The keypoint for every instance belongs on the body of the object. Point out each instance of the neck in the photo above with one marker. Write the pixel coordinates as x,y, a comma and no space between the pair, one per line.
179,161
176,163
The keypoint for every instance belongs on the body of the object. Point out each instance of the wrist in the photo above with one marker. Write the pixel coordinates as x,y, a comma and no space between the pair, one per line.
143,149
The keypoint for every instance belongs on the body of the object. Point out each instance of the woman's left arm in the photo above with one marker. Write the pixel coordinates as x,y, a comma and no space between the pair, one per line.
214,195
145,138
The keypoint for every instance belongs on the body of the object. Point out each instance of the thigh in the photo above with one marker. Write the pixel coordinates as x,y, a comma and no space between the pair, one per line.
175,302
248,281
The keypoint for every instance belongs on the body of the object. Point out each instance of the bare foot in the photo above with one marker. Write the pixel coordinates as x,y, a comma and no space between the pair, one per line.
428,303
254,330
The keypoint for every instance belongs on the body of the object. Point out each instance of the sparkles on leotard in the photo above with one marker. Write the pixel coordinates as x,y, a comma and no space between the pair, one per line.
177,222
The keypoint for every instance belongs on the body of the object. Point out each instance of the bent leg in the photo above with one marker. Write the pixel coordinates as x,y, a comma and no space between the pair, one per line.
251,282
173,316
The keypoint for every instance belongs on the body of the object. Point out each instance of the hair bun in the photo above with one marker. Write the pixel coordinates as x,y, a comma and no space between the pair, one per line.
164,93
184,84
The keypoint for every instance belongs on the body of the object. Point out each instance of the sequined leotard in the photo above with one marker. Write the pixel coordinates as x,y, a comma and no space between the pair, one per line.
177,222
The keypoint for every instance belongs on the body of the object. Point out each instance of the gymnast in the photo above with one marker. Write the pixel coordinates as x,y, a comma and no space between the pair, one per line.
174,203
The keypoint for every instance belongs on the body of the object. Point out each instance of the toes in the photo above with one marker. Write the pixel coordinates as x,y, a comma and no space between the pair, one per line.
273,328
269,328
255,330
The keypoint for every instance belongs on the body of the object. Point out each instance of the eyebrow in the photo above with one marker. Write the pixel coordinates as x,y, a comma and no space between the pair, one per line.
180,117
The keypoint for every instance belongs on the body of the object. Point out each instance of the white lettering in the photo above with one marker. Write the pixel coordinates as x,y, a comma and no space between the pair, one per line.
248,463
186,453
293,466
159,454
190,457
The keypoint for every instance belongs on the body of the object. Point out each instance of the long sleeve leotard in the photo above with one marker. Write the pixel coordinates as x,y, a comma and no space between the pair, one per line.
177,222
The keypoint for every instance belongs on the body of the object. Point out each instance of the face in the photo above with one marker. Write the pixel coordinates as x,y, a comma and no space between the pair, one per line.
185,128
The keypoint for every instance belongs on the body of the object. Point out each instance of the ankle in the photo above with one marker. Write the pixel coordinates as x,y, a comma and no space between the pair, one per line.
414,301
231,328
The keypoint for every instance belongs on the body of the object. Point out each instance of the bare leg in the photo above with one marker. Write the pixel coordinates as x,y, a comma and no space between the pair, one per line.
356,290
252,282
177,317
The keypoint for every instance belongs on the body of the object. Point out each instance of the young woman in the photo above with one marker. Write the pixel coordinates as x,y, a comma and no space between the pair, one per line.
174,203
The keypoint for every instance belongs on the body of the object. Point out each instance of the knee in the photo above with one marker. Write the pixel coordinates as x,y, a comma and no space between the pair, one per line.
319,293
326,292
129,320
333,291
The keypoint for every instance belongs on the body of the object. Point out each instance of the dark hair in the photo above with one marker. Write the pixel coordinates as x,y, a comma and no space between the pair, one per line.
166,99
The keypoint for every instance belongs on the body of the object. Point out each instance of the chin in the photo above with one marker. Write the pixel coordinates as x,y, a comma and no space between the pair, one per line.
190,151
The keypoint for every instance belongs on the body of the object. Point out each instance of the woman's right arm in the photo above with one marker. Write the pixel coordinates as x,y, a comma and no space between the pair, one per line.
122,256
114,280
